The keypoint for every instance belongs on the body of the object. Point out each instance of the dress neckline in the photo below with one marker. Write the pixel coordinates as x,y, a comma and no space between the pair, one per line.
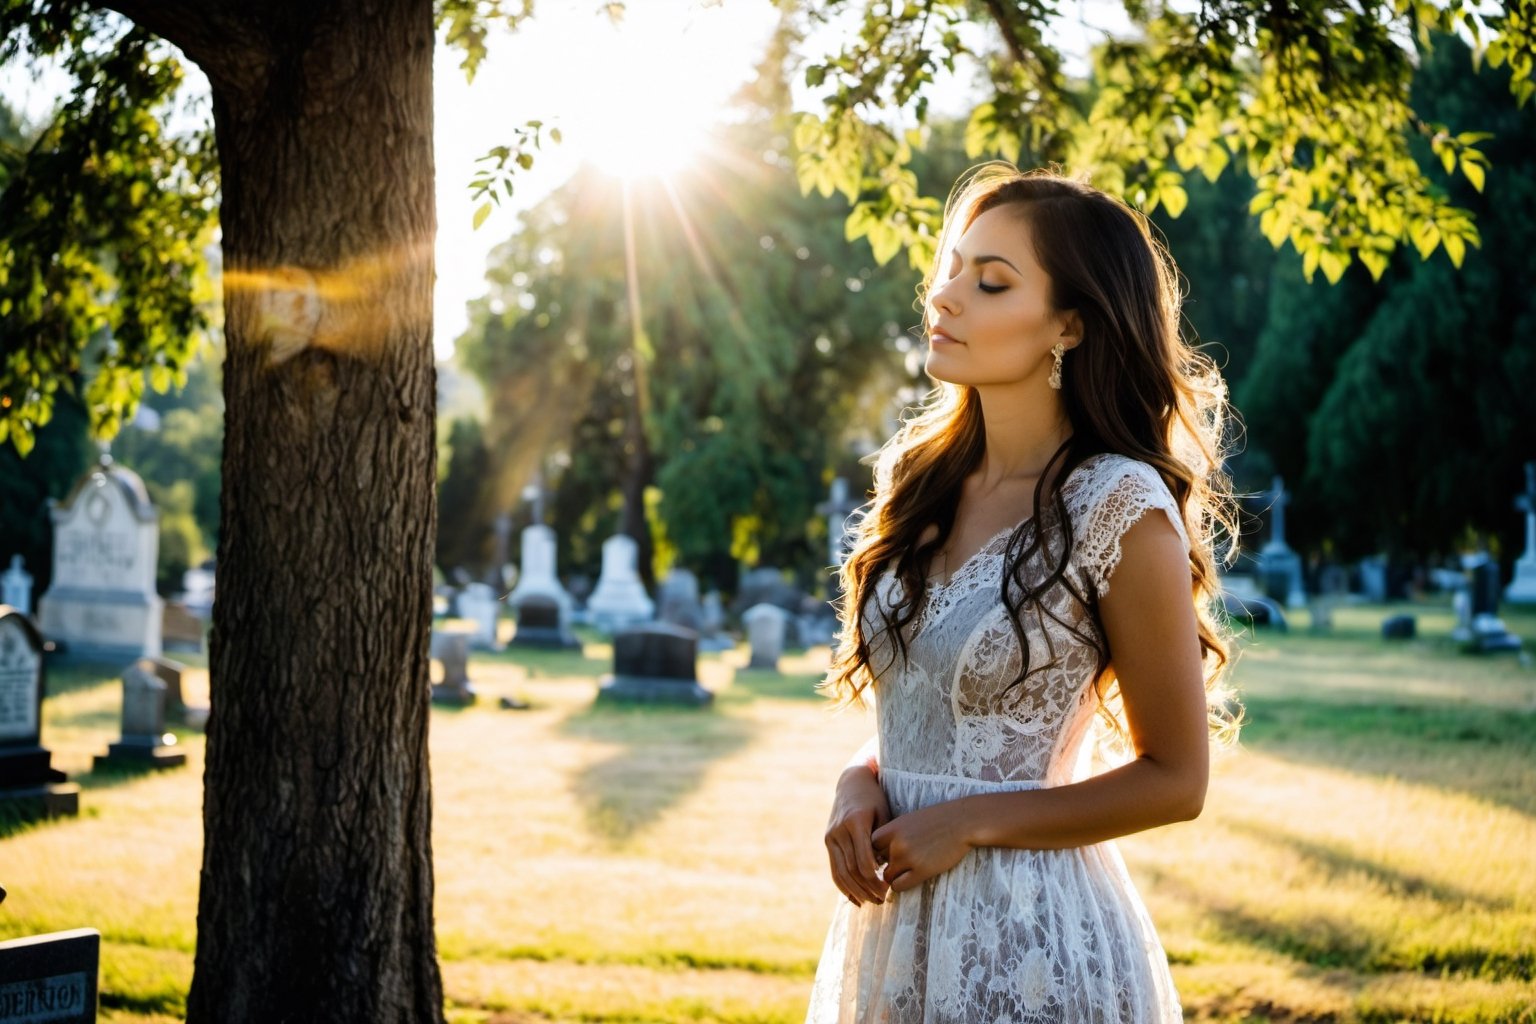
963,568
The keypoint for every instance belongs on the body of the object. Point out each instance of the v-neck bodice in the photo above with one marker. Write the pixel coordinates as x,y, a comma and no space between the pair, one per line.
949,707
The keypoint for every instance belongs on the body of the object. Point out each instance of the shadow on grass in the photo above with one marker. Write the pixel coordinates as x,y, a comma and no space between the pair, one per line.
1428,744
1335,942
665,753
1330,860
73,676
587,662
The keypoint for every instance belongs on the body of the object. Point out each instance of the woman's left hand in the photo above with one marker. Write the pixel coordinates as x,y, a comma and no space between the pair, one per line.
922,844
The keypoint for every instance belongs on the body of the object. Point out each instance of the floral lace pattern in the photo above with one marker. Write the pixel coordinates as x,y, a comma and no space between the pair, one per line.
1016,936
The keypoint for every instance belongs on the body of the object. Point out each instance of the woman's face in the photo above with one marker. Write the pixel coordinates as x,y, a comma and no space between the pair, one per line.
990,319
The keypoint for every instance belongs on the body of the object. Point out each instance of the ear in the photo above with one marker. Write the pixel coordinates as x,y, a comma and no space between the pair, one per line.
1071,329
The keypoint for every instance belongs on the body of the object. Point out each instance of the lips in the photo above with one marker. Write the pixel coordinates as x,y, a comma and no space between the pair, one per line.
938,336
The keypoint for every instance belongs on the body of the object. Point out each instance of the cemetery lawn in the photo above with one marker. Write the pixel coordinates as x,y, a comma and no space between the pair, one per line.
1365,856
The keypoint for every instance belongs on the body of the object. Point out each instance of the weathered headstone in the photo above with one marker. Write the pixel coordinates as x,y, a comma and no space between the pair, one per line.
678,601
543,622
177,708
1522,589
655,663
199,585
1279,566
766,625
1373,578
1399,627
450,647
547,623
144,743
838,508
16,587
28,783
619,600
478,603
50,979
712,634
1481,630
1332,589
102,604
181,629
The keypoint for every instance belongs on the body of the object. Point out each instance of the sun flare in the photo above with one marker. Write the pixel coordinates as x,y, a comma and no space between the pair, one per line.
642,107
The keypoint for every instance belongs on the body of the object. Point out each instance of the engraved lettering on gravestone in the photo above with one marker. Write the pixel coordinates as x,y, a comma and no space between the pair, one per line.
43,999
19,666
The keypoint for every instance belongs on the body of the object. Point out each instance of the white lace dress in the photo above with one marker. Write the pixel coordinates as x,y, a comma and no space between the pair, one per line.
1006,936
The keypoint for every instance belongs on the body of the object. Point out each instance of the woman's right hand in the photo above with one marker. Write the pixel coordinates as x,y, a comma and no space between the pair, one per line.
858,808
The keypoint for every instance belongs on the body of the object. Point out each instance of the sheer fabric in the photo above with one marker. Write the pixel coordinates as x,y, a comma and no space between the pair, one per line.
1006,936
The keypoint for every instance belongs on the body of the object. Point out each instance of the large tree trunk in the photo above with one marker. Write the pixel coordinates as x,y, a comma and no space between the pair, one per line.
316,898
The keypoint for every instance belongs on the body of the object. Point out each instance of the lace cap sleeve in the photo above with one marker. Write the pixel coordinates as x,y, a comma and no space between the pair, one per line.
1118,493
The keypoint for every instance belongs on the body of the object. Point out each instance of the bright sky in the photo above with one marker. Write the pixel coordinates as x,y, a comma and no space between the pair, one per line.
624,95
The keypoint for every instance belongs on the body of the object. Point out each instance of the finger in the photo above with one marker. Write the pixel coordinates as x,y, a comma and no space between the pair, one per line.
868,884
864,855
840,871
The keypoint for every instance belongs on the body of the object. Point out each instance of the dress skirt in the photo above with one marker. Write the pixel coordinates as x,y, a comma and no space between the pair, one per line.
1004,937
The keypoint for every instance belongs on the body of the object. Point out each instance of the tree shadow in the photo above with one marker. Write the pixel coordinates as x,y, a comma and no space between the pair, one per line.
1336,942
750,684
665,753
1430,744
1332,860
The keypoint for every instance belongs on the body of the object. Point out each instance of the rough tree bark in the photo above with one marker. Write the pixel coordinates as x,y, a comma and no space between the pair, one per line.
317,887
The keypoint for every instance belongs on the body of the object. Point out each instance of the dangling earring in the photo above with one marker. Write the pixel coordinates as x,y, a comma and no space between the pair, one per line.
1058,350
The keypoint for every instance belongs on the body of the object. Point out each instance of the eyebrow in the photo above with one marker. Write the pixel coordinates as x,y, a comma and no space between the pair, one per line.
980,260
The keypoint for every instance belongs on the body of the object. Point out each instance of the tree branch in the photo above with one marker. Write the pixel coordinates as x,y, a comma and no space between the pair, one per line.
222,37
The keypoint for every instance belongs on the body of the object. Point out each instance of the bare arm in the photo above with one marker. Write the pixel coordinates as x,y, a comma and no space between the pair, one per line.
1149,623
859,807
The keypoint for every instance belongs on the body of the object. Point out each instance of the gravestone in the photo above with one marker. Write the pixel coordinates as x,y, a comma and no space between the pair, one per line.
181,629
198,588
102,604
1479,629
1332,590
712,634
478,603
1399,627
16,587
450,648
619,599
177,709
1279,566
144,743
50,979
841,529
1522,589
1373,578
766,625
678,601
28,783
543,622
655,663
537,584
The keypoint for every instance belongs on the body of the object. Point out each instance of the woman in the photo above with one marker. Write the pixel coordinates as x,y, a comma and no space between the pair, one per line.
1009,590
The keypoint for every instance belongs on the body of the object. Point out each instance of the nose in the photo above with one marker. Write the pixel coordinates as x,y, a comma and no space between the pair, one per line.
943,299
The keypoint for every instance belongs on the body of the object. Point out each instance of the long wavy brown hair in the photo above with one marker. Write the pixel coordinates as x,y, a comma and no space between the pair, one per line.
1133,386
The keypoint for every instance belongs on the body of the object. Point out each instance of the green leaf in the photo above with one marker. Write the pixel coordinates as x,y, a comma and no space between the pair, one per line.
1455,248
1333,264
1473,172
1175,199
481,214
1375,262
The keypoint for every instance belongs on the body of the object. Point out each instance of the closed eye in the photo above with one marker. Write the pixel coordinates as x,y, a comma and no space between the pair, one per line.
992,289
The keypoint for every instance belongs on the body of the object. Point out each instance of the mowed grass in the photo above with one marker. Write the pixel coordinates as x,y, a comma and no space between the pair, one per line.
1368,854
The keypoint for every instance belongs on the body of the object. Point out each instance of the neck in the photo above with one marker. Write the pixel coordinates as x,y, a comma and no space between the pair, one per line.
1025,424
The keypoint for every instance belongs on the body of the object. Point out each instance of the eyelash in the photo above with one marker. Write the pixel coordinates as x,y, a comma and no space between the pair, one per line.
991,289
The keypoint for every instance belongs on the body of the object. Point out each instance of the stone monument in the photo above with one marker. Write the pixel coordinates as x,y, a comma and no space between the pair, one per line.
450,648
16,587
1279,566
50,978
766,625
542,606
27,781
144,743
619,600
102,604
655,663
1522,589
1479,629
678,601
712,634
478,602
